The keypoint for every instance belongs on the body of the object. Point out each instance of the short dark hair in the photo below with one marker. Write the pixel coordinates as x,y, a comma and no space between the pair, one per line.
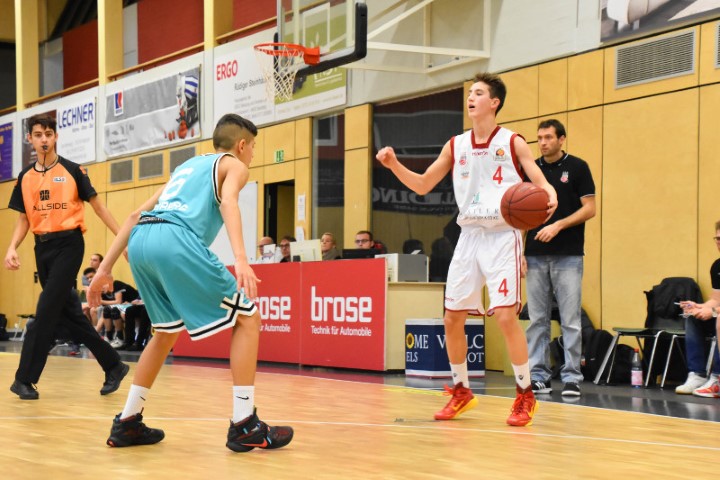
717,225
365,232
289,238
44,120
495,85
559,127
230,129
89,270
99,255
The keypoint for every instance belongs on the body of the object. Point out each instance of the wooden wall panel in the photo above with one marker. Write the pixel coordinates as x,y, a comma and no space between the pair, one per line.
585,80
279,137
358,125
581,129
649,198
522,95
553,87
358,197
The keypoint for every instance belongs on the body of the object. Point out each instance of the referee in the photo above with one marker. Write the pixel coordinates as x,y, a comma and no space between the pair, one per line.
49,195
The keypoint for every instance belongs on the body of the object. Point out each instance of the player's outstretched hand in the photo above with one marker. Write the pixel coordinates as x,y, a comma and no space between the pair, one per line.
386,156
246,279
102,281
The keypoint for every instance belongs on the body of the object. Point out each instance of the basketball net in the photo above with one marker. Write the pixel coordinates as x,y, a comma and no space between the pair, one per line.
279,63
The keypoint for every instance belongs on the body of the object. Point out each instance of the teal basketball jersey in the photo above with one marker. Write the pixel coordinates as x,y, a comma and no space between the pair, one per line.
191,197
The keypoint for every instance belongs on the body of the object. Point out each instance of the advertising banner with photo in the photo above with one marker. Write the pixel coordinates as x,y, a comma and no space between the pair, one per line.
6,148
155,114
622,19
241,88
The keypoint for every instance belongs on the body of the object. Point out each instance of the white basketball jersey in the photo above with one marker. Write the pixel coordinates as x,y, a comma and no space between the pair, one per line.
481,175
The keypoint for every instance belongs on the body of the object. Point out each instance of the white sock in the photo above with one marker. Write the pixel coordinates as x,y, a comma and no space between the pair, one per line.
460,374
522,375
135,401
243,402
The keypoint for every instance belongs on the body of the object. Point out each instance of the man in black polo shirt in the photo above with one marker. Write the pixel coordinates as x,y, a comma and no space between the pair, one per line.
554,255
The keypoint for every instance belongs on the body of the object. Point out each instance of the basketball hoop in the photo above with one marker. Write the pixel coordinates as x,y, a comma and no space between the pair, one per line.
287,58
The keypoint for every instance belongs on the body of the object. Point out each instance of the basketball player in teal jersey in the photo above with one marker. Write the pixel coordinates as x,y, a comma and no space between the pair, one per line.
185,287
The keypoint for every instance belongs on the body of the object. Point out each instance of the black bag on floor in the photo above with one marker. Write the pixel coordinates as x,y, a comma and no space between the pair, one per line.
4,335
594,352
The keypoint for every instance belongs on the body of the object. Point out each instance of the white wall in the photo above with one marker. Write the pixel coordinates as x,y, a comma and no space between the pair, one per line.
523,32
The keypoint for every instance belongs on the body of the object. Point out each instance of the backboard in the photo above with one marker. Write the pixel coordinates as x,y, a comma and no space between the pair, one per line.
338,27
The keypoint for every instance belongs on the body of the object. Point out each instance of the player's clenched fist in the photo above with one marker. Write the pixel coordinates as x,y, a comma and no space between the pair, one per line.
386,156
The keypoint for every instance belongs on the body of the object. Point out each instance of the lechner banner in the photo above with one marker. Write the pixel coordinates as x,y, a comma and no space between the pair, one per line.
155,114
76,130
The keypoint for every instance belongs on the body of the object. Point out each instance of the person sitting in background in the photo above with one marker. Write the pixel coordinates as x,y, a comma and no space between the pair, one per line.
137,327
329,247
115,303
262,257
95,260
364,239
285,248
412,245
700,324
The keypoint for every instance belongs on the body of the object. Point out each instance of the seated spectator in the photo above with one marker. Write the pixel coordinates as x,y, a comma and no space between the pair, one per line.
137,327
700,324
364,239
413,245
87,276
285,248
95,260
261,256
329,247
114,303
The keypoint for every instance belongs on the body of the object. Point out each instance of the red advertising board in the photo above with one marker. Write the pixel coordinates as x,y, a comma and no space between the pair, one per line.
280,307
316,313
343,316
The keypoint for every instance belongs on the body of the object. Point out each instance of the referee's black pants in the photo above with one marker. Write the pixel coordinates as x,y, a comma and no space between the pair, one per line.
58,263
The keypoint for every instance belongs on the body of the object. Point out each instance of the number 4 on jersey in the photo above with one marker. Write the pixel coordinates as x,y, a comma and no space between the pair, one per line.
503,287
497,176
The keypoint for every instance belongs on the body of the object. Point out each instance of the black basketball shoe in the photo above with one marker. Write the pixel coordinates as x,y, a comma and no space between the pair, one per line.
132,431
252,432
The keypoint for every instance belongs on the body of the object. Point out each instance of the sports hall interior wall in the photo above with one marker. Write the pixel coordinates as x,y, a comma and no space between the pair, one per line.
651,149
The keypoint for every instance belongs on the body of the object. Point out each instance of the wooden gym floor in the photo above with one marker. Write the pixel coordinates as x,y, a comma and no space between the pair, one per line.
350,426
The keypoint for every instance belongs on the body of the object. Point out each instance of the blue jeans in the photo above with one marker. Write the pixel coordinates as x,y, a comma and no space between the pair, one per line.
696,345
562,275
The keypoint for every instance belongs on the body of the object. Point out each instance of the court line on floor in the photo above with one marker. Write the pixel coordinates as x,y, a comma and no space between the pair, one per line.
436,426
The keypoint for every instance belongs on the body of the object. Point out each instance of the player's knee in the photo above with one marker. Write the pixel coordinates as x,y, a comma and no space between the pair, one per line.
253,321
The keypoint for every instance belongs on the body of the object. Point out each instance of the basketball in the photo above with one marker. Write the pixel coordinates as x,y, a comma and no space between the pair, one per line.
524,206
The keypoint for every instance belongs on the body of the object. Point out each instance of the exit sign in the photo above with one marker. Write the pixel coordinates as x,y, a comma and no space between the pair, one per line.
279,156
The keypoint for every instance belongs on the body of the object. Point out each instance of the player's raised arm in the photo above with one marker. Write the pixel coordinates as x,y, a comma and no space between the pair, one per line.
420,183
527,162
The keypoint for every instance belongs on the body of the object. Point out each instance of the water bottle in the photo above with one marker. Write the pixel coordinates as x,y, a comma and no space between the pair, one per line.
636,372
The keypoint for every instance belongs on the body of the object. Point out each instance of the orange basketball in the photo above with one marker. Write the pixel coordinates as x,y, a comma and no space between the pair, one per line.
524,206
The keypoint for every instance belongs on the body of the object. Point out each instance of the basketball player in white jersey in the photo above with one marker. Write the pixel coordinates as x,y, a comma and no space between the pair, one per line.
485,162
